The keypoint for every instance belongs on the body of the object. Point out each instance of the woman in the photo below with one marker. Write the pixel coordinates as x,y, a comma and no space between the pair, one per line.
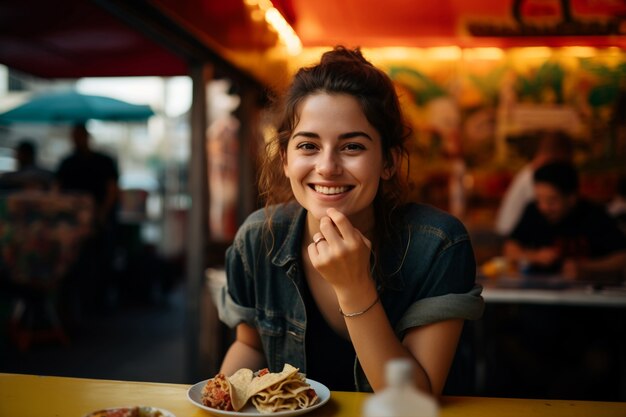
337,275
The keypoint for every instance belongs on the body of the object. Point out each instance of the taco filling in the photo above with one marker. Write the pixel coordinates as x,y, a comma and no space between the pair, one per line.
216,393
227,393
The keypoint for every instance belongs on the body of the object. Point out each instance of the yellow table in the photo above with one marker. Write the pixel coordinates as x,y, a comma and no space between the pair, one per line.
35,396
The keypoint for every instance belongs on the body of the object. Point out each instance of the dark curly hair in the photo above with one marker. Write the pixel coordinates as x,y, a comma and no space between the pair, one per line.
561,175
342,71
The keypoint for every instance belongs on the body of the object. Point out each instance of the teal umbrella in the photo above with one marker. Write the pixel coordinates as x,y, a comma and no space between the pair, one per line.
74,107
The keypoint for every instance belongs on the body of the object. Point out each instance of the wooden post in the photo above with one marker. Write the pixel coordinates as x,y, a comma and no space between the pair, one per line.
197,228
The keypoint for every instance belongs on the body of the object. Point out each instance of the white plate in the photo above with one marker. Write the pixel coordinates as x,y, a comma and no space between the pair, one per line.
195,396
153,409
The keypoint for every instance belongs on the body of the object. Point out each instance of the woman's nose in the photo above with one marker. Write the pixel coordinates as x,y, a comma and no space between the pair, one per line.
328,164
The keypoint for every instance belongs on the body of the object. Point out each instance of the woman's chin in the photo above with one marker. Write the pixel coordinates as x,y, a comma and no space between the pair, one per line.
317,212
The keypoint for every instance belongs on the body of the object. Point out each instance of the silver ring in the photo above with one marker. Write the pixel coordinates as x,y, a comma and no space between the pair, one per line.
319,239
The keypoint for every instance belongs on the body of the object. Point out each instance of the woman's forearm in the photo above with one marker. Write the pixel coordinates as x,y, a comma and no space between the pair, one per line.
431,347
245,352
375,344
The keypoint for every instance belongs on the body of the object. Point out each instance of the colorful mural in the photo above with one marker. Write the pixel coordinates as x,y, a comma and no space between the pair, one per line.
484,107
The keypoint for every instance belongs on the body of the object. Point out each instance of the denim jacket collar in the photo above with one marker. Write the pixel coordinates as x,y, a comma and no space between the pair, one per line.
290,249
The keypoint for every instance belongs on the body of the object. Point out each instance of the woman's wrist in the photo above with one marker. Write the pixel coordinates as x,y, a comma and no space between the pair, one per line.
357,299
360,312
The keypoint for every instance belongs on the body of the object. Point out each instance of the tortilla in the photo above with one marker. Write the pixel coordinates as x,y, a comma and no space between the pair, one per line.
260,383
286,390
239,385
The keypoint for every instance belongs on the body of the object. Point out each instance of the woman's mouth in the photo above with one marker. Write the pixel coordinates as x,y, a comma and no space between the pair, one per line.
322,189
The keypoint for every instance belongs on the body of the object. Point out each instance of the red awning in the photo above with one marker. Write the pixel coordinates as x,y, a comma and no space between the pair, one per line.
76,38
500,23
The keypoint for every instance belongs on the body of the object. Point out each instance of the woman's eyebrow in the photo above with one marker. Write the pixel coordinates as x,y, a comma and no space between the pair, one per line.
350,135
306,134
343,136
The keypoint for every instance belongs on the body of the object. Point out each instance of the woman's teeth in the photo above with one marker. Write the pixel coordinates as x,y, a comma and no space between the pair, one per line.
330,190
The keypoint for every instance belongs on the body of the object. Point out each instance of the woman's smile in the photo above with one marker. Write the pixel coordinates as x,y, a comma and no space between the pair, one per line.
330,190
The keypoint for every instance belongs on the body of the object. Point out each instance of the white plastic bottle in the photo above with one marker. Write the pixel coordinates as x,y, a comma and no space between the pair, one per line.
400,398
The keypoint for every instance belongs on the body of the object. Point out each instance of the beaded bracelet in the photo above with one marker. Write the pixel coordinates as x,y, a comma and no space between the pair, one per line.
358,313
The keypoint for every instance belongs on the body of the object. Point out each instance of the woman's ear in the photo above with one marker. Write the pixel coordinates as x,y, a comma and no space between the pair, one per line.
391,166
283,158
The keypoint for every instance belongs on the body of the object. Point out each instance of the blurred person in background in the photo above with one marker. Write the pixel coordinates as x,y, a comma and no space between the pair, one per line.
617,205
552,146
91,172
560,232
95,174
28,176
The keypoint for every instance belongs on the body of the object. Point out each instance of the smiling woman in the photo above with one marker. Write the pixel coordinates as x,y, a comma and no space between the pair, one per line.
338,275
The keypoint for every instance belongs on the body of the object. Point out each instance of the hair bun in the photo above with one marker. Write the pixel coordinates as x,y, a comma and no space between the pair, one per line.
341,54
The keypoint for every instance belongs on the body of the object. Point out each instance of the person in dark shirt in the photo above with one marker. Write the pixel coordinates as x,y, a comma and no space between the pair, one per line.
560,232
95,174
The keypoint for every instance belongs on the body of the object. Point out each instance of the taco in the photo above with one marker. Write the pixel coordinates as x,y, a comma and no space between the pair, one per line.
227,393
286,390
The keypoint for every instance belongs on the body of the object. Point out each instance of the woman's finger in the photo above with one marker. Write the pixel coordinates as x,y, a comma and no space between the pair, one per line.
318,237
349,233
340,221
330,231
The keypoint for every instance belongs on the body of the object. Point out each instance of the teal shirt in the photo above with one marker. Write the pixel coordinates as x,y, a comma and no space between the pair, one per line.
429,267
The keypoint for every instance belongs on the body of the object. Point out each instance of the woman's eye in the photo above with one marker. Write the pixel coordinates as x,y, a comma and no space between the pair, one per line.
354,147
305,146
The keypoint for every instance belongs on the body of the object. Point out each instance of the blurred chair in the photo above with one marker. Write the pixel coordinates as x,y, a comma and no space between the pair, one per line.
132,216
133,205
40,238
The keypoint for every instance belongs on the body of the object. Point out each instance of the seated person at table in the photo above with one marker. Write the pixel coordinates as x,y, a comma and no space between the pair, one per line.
338,275
552,147
563,233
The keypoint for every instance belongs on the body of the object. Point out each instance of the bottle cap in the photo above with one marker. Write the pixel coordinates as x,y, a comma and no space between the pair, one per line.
399,371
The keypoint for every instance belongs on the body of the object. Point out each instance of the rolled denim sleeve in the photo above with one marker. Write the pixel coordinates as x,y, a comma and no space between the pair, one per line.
231,313
468,306
234,298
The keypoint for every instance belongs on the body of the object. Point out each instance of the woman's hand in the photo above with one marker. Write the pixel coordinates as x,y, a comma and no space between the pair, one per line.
342,257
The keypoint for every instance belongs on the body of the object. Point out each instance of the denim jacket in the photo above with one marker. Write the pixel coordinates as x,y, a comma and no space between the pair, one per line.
430,268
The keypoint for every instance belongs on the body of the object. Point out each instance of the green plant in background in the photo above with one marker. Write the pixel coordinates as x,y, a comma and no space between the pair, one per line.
610,82
544,85
420,85
489,84
607,98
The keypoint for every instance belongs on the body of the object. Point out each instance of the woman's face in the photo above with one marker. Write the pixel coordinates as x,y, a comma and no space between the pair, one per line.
334,158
